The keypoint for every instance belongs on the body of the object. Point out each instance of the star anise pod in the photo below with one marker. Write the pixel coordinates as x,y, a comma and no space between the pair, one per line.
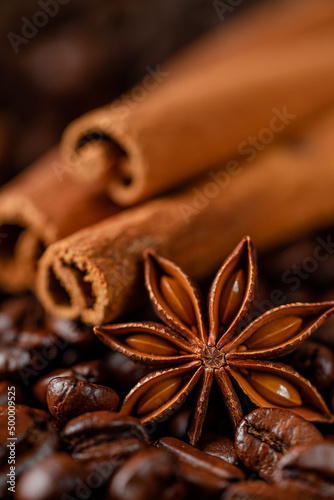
186,350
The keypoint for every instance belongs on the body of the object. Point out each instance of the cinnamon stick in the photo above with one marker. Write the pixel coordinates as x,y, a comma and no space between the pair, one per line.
197,116
37,209
257,26
96,275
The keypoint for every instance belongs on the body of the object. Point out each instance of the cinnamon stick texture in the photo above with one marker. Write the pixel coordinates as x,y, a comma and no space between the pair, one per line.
198,116
268,23
96,274
36,209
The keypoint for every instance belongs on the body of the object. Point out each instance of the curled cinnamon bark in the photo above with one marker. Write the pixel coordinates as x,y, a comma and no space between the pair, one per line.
38,208
144,145
96,274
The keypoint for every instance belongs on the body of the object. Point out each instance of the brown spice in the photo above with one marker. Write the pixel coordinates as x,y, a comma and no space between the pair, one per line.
39,207
187,351
204,115
95,274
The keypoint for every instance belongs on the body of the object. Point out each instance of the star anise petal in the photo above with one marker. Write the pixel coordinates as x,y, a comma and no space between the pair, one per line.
150,343
270,384
232,293
278,331
162,392
201,406
230,397
175,298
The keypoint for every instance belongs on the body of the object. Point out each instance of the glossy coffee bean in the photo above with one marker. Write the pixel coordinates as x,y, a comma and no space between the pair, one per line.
73,355
74,334
311,467
35,440
11,312
27,354
93,426
123,373
203,473
103,437
20,313
266,434
108,455
219,446
315,362
52,479
30,339
89,371
68,397
278,262
13,360
177,425
148,474
325,334
259,490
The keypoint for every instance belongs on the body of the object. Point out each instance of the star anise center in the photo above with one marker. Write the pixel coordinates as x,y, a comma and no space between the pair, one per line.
213,358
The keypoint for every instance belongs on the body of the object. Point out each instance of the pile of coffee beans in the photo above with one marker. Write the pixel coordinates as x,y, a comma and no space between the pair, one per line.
71,441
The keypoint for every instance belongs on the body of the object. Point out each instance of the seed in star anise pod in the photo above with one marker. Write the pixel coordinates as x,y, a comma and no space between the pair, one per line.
188,351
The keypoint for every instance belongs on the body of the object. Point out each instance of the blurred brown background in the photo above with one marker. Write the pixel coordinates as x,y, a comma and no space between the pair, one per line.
61,58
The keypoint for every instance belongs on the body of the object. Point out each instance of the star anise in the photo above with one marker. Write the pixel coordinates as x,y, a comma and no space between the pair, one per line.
187,350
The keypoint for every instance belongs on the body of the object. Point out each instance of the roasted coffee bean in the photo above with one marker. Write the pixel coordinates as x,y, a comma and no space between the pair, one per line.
148,474
68,397
13,360
9,390
26,354
315,362
259,490
311,467
123,372
52,479
21,313
266,434
178,424
281,263
35,440
11,312
325,334
27,338
99,425
103,437
219,446
74,334
39,342
72,356
108,455
89,371
203,473
278,262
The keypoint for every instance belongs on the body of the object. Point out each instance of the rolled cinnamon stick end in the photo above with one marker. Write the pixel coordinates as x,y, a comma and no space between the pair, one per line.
174,126
96,274
39,207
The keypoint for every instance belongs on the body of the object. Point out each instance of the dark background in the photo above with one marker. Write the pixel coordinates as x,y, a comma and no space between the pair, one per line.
82,56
